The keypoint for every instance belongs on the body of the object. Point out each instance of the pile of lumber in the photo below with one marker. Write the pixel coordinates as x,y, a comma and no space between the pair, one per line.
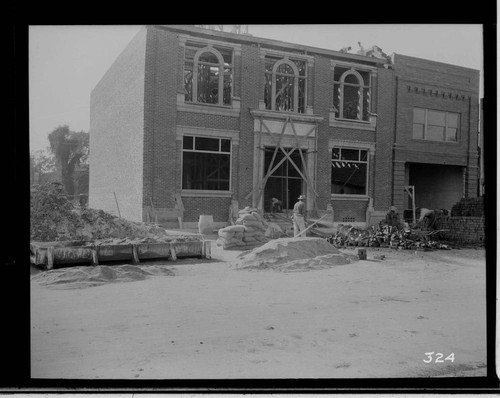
249,230
386,236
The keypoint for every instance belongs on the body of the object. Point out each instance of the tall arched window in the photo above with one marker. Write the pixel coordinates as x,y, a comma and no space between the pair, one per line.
351,94
208,75
285,82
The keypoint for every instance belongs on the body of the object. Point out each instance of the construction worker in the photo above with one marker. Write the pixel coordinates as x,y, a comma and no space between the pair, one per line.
392,217
299,216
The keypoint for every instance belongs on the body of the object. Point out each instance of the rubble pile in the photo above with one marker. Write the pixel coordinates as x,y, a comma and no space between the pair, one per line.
249,230
386,236
54,218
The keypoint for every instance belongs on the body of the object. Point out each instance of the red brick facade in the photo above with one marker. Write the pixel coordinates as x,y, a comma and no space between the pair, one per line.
393,154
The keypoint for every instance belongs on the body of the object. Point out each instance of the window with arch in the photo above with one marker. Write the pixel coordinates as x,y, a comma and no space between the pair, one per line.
351,97
285,84
208,74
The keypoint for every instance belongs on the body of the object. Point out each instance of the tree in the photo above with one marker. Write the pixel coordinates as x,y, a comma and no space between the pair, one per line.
42,166
70,150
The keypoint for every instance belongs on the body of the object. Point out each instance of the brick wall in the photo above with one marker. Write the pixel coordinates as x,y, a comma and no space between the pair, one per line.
252,76
322,100
116,134
218,208
382,197
469,230
345,211
161,156
432,85
466,223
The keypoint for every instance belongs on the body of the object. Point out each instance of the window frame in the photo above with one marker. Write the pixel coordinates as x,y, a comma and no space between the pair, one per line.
362,97
445,127
290,61
367,177
219,152
221,70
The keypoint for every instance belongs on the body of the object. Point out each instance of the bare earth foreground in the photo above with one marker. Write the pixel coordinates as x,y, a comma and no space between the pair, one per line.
206,319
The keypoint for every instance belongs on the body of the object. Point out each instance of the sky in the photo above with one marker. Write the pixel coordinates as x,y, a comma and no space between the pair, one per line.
67,62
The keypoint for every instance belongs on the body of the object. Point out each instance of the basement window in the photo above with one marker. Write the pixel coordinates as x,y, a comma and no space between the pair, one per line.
206,163
432,125
208,74
349,171
285,84
351,94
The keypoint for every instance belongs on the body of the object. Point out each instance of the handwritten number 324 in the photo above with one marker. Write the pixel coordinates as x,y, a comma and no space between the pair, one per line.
438,358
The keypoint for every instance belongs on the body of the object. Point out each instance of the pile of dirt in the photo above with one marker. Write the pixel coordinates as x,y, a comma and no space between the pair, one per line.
293,255
54,218
83,277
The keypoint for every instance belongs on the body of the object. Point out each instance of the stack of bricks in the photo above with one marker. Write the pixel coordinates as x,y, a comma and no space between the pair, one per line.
466,223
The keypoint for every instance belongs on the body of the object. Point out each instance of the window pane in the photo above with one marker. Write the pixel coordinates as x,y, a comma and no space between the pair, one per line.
187,142
349,178
205,171
364,156
418,131
451,134
418,115
285,69
208,84
284,93
225,145
207,144
352,79
208,57
349,154
335,153
228,81
452,120
351,102
436,118
435,133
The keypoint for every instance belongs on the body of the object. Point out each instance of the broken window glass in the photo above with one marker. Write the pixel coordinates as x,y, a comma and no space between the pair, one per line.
349,171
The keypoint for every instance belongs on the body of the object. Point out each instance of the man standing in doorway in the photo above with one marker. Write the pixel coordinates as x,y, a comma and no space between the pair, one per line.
299,216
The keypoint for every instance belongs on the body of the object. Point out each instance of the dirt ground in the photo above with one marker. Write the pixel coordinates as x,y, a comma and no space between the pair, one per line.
206,319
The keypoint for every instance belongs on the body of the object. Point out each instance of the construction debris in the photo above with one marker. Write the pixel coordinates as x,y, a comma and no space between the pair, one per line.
386,236
54,218
249,230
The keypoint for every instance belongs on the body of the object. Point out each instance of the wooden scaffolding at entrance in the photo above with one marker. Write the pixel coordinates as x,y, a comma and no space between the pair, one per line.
277,140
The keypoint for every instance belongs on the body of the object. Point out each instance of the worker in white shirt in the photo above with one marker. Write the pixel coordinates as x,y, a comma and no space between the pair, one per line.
299,216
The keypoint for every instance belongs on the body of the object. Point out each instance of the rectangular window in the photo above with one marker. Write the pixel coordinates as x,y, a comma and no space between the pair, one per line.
206,163
349,171
434,125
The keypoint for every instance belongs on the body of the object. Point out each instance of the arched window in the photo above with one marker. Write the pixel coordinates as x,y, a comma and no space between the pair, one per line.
285,81
351,94
208,76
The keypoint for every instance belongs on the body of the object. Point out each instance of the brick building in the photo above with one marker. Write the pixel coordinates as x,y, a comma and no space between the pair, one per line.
212,116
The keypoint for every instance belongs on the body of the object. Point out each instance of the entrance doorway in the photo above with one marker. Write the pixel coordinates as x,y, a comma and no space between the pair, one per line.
285,184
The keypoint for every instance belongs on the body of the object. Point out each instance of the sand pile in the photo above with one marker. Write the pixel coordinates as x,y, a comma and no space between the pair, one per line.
292,255
54,218
82,277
